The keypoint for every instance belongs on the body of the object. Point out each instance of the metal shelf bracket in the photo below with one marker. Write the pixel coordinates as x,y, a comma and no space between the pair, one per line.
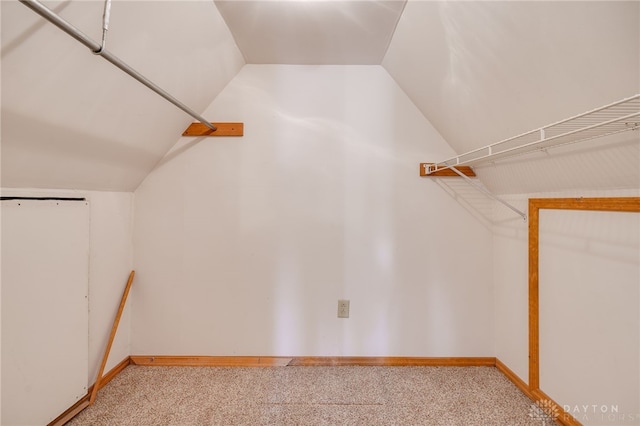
489,193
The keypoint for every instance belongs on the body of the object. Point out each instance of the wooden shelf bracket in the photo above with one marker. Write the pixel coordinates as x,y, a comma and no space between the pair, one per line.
440,170
222,129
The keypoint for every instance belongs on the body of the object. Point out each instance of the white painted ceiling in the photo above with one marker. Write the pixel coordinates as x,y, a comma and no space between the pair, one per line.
312,32
479,71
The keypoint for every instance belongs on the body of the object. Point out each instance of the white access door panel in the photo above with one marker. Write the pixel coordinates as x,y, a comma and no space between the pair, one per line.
45,275
589,285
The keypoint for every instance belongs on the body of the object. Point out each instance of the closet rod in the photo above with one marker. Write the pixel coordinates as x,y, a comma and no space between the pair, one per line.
95,48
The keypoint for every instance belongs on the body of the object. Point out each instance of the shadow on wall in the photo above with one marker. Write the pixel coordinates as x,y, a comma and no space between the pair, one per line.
610,162
595,239
475,202
28,32
32,147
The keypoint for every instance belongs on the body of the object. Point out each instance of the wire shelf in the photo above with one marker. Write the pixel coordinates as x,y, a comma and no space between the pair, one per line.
617,117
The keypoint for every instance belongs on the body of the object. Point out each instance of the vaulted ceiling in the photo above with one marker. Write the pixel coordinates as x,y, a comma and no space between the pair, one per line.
72,120
312,32
479,71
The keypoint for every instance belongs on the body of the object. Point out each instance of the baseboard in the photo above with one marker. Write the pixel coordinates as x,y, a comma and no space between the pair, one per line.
73,411
563,417
537,395
515,379
245,361
209,361
84,401
111,374
250,361
394,361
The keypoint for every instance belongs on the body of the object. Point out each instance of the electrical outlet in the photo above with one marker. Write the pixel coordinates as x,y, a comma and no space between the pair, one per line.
343,309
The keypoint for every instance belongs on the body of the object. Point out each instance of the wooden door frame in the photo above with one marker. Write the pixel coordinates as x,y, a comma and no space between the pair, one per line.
620,204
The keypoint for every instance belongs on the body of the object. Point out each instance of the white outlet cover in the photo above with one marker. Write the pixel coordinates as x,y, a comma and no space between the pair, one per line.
343,309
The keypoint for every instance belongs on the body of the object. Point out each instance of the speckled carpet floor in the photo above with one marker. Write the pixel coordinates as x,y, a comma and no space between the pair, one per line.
309,396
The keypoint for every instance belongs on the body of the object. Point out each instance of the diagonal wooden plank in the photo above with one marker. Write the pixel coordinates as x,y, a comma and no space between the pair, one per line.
96,386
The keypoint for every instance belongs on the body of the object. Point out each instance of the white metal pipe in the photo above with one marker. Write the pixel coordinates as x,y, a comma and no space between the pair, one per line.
105,25
49,15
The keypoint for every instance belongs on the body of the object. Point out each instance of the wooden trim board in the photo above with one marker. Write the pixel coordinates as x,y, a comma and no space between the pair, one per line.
393,361
620,204
534,323
112,336
223,129
509,374
83,403
563,417
111,374
625,204
465,170
613,204
209,361
240,361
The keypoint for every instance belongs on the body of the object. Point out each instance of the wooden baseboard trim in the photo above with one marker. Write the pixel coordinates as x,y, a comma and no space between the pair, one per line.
563,417
209,361
83,403
393,361
515,379
73,411
244,361
111,374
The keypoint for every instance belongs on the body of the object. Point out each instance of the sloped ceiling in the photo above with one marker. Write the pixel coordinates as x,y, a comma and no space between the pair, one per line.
480,71
484,71
71,120
312,32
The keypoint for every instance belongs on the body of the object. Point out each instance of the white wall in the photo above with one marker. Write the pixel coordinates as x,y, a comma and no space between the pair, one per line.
602,323
110,264
244,245
511,280
45,284
590,317
110,261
